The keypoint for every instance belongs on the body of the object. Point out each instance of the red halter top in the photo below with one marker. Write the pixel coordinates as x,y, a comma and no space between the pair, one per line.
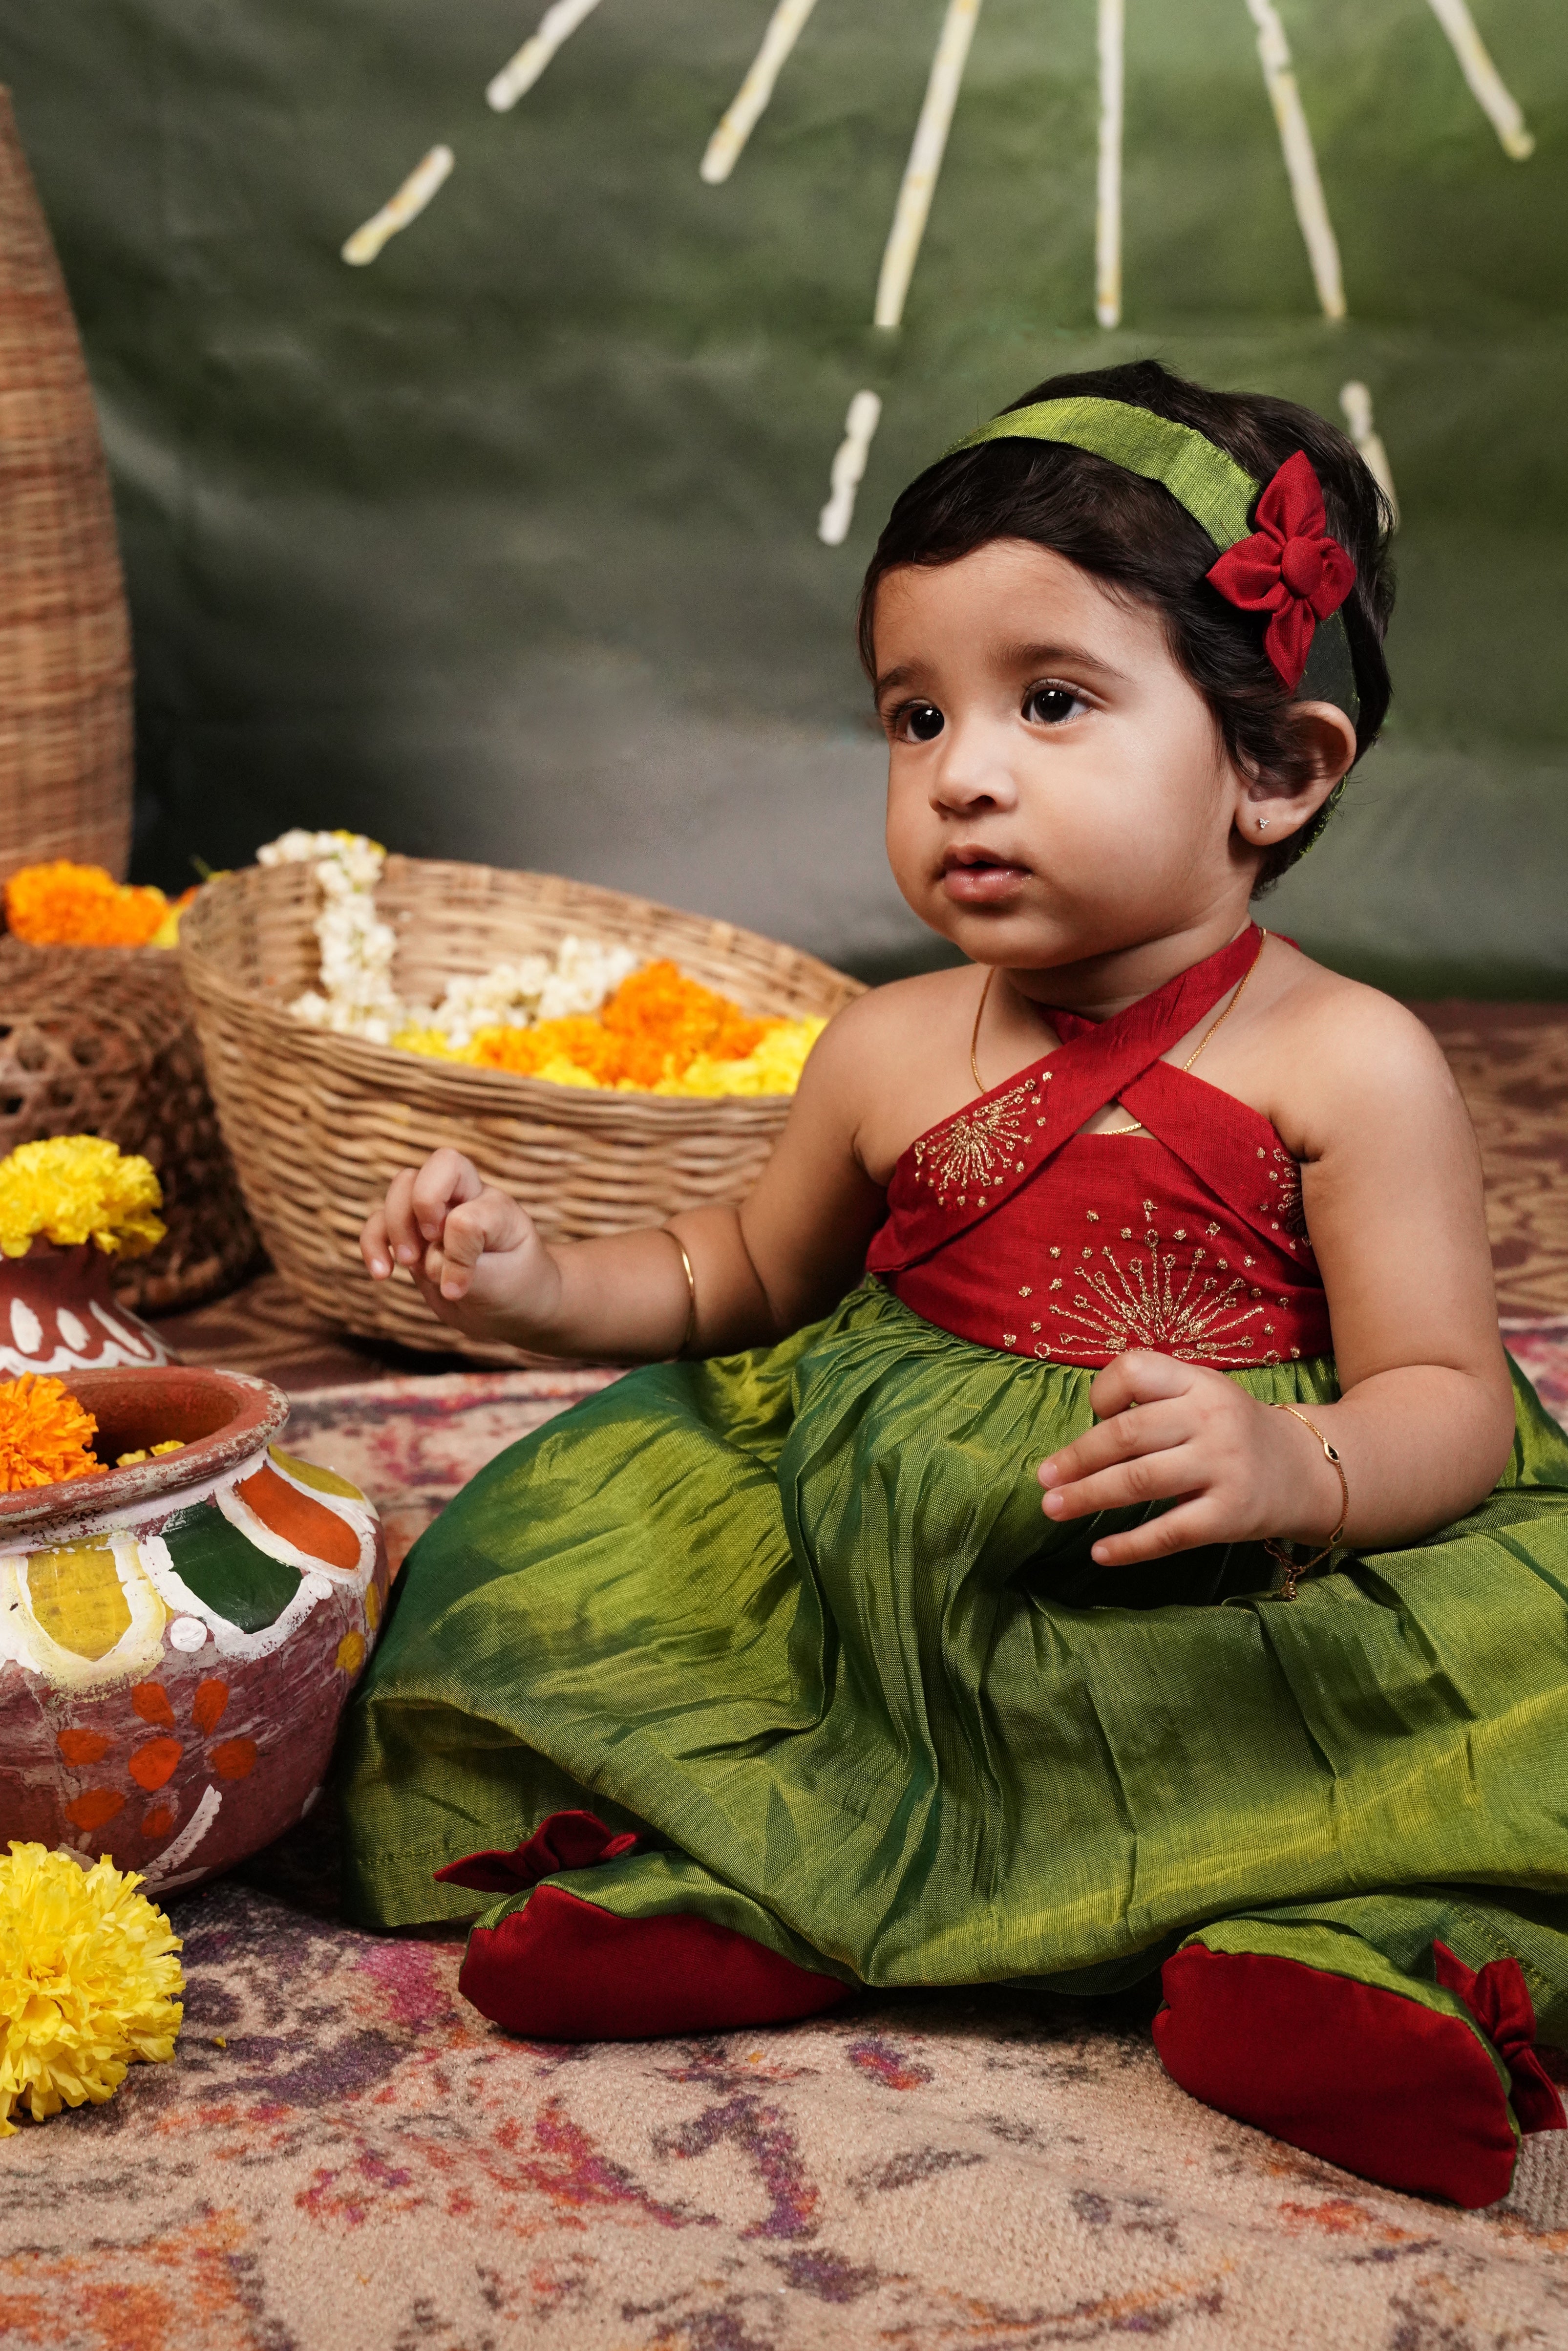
1008,1225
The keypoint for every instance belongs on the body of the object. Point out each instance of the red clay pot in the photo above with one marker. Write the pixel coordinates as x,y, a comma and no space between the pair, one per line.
58,1314
179,1637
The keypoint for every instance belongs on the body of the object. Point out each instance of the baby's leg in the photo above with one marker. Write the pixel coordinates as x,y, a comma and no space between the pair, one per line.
1391,2033
631,1946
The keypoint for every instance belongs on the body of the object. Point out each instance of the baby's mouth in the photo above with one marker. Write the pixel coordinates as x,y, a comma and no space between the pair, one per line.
979,877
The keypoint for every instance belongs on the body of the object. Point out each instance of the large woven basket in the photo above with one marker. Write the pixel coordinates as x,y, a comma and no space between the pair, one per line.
99,1040
65,638
319,1125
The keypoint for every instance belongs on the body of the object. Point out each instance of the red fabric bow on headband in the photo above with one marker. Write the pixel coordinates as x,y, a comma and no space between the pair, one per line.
1289,568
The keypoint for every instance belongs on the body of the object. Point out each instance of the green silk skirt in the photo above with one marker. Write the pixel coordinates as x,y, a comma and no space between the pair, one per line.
796,1616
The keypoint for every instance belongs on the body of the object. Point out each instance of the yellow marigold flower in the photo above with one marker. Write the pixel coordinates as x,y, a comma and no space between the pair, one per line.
45,1435
64,905
559,1071
433,1042
78,1187
774,1066
167,934
88,1983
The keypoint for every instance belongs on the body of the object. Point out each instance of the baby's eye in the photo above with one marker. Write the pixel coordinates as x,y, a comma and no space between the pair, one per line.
1049,705
918,722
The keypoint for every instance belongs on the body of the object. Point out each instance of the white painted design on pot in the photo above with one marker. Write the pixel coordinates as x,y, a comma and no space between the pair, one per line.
160,1873
137,1346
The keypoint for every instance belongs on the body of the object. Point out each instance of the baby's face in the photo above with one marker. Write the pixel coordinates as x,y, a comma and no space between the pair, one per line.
1057,786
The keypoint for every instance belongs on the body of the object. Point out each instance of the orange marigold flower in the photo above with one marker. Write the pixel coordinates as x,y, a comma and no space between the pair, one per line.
64,905
578,1039
45,1435
646,1036
660,1007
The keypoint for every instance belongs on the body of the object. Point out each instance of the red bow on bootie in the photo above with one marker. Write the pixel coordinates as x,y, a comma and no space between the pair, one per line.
1289,568
1499,1999
565,1840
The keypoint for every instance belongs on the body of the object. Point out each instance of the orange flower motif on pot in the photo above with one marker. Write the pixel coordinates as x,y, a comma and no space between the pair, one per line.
152,1762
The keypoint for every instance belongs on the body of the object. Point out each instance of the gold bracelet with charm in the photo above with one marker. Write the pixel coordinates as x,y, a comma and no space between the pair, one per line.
1277,1551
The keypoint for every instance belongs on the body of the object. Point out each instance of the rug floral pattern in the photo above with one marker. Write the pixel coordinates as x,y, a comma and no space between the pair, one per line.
345,2156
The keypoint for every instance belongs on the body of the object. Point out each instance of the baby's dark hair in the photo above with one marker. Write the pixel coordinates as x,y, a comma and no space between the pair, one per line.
1134,534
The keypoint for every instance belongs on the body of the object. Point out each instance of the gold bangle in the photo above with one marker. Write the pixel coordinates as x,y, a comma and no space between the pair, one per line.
1278,1551
690,1331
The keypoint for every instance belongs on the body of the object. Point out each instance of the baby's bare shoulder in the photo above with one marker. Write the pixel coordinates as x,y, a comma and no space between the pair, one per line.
1352,1053
906,1016
891,1063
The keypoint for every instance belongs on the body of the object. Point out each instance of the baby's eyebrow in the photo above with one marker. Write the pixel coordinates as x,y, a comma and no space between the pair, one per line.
1057,657
904,675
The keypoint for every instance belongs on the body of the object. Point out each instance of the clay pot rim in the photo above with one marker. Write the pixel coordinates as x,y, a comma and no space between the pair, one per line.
258,1411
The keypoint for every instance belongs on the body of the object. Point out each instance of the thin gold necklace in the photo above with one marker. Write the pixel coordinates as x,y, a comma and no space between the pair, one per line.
975,1032
1198,1049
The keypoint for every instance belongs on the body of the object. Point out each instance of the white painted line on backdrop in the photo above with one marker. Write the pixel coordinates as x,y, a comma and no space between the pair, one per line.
406,205
1492,93
849,467
1355,400
785,27
520,73
1108,210
924,164
1301,162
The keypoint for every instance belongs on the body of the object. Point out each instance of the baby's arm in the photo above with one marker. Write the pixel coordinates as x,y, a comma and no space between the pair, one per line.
787,1255
1392,1193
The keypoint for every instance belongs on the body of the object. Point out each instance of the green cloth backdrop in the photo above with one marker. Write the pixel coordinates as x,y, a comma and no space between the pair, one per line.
504,547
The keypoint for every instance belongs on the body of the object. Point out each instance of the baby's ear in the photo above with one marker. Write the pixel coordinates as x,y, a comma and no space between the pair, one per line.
1326,740
1273,809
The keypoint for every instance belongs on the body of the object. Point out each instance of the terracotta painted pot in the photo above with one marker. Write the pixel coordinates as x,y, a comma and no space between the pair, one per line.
59,1315
178,1637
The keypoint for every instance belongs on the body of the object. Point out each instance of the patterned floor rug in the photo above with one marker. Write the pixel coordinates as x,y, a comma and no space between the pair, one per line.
343,2156
344,2159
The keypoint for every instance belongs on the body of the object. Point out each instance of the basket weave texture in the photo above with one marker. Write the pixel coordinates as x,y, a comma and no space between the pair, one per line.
65,636
100,1040
319,1125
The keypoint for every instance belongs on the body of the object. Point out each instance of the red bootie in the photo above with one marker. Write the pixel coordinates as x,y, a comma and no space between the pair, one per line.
564,1970
1383,2086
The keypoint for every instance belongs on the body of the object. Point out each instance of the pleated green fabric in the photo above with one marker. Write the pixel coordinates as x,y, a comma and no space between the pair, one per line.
797,1616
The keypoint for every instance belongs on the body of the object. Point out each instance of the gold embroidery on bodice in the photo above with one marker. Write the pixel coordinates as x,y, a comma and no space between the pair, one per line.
1284,1207
974,1151
1179,1296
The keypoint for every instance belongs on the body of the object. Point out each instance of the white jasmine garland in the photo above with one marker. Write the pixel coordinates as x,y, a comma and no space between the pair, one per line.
355,996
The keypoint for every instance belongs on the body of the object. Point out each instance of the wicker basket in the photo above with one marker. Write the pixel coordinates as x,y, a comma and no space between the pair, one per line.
99,1040
319,1125
65,638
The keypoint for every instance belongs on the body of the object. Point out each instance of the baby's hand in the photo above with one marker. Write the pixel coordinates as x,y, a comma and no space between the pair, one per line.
476,1256
1237,1470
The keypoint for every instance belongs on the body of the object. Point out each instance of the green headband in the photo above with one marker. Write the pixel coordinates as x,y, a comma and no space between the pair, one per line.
1213,487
